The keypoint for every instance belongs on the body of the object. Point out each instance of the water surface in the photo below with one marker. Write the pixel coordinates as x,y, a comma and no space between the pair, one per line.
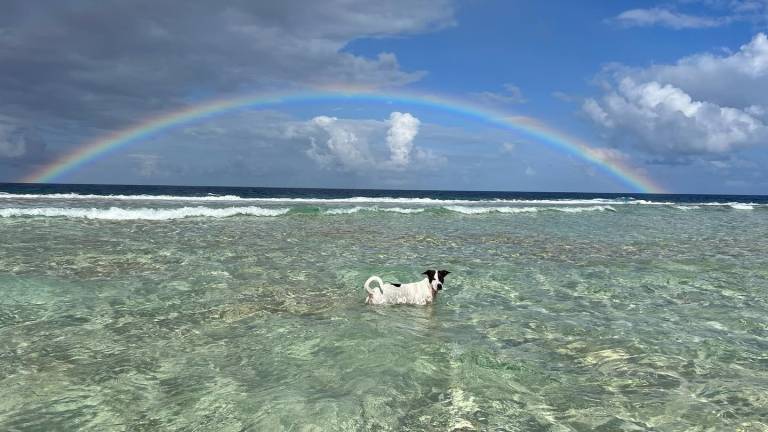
229,310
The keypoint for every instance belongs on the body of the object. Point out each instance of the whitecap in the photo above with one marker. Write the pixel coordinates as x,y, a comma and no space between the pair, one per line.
350,200
483,210
350,210
117,213
741,206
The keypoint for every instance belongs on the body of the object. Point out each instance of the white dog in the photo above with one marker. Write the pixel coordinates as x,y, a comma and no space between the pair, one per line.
420,293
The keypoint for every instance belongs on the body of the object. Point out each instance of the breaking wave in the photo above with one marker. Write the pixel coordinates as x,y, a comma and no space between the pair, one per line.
167,213
740,206
116,213
364,203
482,210
351,200
356,209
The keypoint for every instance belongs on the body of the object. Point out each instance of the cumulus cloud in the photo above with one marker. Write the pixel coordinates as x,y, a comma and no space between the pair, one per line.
702,104
403,128
344,143
342,146
734,79
666,18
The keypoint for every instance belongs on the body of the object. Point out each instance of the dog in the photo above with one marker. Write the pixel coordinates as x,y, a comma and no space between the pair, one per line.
422,292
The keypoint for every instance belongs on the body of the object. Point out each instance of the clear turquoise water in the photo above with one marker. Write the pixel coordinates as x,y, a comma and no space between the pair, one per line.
627,317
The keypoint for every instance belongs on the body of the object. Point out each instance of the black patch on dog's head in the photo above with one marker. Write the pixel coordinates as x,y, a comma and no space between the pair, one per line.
430,274
438,275
442,274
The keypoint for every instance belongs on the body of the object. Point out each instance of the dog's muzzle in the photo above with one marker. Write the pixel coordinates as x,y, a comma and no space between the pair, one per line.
439,287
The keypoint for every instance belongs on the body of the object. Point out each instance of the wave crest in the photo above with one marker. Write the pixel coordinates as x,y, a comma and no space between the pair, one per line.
116,213
483,210
350,210
350,200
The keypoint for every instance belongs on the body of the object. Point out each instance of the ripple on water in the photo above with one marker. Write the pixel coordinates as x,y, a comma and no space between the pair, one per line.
601,321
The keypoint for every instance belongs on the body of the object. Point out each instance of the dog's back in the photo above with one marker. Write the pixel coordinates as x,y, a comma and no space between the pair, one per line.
412,293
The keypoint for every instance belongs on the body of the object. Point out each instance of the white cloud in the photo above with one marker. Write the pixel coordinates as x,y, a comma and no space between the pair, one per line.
666,18
346,142
402,131
565,97
714,13
343,145
508,147
734,79
701,104
510,95
433,160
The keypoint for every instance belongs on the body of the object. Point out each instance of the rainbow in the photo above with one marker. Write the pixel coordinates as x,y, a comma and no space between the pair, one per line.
114,141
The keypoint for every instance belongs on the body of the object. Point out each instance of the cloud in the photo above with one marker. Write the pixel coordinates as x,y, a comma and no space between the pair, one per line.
344,143
19,145
731,79
102,64
402,130
666,18
508,147
565,97
510,95
702,104
717,13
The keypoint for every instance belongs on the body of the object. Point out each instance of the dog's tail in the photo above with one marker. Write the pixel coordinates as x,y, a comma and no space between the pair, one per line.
373,279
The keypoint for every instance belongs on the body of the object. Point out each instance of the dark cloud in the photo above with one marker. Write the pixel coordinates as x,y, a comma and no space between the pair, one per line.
89,66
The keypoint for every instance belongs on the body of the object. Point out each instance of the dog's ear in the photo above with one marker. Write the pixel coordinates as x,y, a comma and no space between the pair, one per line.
430,274
443,273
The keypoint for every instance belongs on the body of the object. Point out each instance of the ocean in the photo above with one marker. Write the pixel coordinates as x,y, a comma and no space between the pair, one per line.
232,309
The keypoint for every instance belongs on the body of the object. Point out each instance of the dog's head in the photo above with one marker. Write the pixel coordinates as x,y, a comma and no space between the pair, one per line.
436,279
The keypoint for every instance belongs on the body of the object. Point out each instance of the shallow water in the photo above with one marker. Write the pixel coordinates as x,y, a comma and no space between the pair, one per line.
627,318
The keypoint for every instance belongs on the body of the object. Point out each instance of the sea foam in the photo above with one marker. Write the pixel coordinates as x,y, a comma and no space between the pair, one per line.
482,210
350,210
116,213
350,200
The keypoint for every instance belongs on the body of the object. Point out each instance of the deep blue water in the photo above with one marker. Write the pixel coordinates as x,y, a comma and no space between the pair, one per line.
261,192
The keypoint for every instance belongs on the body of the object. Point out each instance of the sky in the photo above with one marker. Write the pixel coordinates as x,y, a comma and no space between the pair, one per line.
675,91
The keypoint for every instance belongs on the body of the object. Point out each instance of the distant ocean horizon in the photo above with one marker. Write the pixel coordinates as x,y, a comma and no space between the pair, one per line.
236,308
323,192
